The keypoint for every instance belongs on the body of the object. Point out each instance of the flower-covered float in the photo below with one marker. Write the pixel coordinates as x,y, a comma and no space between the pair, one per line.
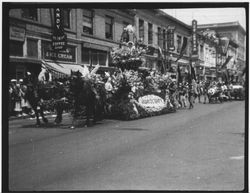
137,92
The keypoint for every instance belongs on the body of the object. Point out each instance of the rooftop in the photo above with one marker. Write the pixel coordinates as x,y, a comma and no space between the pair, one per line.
172,18
221,25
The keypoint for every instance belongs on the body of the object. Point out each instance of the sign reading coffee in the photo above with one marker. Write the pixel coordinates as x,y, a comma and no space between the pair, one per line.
194,38
67,55
59,38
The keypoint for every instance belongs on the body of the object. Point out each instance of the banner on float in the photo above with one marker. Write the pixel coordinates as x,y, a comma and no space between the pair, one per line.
152,102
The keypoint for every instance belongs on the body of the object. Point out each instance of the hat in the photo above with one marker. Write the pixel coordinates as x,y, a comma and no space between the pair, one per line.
13,80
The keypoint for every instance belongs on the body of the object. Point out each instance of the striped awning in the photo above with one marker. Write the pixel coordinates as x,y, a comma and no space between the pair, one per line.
60,70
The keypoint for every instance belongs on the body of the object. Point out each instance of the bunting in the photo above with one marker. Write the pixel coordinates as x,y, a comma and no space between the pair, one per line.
179,78
226,62
183,48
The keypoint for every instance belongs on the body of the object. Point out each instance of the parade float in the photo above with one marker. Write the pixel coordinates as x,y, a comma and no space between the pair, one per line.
137,92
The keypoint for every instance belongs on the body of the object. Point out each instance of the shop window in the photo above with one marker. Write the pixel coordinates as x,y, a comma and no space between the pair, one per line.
178,44
87,21
150,33
66,18
32,49
109,27
30,13
141,29
16,48
94,57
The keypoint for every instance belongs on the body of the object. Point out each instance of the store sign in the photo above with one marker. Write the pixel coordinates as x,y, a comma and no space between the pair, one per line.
151,101
17,33
59,38
67,55
194,38
170,38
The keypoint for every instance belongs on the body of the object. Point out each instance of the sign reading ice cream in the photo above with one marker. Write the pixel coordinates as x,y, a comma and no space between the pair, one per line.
151,101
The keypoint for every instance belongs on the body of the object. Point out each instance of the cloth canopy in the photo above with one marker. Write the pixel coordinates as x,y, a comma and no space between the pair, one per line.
59,70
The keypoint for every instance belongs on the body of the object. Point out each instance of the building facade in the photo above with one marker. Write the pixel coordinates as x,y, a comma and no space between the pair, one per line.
91,34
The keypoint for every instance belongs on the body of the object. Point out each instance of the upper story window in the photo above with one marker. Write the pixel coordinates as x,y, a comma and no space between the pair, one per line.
186,49
164,34
141,29
150,33
109,27
87,23
178,44
158,35
30,13
66,18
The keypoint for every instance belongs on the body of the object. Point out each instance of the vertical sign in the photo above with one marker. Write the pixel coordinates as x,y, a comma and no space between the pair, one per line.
194,38
170,38
59,38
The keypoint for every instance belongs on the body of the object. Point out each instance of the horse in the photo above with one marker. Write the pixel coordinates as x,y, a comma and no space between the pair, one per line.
41,95
84,97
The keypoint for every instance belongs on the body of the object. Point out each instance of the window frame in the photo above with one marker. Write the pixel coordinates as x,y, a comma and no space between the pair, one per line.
91,18
91,53
141,29
111,27
178,41
14,42
29,17
35,40
150,33
69,18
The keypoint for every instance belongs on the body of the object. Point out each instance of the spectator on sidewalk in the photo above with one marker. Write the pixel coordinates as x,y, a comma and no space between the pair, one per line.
17,96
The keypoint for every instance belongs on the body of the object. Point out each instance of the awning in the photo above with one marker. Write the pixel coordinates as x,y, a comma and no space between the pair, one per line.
60,70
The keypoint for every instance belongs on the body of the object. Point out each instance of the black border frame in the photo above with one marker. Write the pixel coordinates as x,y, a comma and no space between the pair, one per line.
6,6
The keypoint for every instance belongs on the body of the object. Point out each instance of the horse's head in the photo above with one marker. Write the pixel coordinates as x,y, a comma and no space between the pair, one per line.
75,74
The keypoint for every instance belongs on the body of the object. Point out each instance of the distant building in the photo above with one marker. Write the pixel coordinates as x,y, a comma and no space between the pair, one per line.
237,45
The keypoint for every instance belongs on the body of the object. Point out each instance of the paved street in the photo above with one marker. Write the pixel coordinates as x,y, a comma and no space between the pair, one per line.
198,149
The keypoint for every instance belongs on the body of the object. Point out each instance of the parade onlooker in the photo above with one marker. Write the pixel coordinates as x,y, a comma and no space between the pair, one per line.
11,97
109,94
17,95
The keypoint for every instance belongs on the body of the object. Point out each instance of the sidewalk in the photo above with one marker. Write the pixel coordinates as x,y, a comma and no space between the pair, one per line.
11,118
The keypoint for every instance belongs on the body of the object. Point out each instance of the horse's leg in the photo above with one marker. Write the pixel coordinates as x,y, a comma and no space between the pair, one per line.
38,123
87,115
94,108
45,120
59,111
